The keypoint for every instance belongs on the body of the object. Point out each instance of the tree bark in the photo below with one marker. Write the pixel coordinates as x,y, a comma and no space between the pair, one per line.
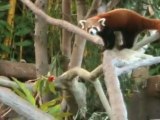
41,52
21,71
21,106
78,89
66,35
113,88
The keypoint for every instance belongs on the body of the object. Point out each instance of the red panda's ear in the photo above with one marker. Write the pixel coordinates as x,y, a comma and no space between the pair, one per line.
82,23
102,21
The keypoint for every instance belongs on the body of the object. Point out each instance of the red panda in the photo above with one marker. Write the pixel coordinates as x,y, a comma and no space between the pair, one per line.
128,22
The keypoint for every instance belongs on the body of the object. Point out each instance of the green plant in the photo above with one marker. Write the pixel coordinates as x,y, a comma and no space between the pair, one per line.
24,92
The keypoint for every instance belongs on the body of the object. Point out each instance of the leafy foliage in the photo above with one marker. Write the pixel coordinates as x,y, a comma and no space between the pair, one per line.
4,27
24,92
22,36
42,87
154,49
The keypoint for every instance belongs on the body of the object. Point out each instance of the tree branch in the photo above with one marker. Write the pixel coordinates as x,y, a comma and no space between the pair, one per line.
22,71
103,98
147,40
21,106
145,62
63,24
82,73
113,87
89,76
6,82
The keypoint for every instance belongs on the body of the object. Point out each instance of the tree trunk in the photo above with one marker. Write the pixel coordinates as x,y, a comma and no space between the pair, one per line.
77,88
41,28
66,35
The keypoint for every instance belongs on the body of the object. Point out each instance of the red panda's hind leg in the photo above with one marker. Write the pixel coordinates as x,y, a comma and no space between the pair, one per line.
128,39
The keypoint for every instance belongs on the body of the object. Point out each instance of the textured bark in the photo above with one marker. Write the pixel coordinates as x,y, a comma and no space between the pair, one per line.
113,88
66,35
79,44
41,28
77,88
21,71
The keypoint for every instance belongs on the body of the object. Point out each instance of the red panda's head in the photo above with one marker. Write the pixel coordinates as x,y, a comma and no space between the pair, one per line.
93,25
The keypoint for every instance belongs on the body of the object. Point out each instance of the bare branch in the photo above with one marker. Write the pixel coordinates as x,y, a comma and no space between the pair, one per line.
147,40
6,82
63,24
82,73
21,106
145,62
91,76
22,71
94,6
113,88
102,96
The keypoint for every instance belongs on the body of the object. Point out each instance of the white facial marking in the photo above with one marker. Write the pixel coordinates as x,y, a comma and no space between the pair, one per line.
92,31
102,21
98,29
82,23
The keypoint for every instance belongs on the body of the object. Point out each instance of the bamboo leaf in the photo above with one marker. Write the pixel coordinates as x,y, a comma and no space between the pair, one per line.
51,103
27,93
4,7
24,43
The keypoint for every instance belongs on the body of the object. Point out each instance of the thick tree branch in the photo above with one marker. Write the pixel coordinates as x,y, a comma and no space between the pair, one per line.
21,106
145,62
147,40
89,76
63,24
22,71
113,88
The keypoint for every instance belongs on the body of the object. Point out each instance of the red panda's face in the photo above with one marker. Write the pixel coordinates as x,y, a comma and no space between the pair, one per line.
93,25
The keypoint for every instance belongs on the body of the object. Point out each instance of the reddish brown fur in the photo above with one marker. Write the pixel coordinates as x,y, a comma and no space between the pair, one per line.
128,22
128,19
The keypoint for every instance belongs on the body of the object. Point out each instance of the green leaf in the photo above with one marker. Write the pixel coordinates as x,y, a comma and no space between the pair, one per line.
23,30
61,115
52,87
4,7
54,110
5,48
24,43
27,93
37,85
42,86
19,92
51,103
